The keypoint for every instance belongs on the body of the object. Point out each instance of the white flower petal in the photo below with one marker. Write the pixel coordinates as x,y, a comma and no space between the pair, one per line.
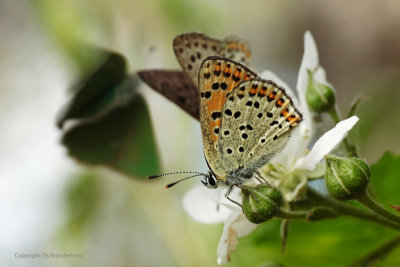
235,226
201,203
302,136
310,62
326,143
320,76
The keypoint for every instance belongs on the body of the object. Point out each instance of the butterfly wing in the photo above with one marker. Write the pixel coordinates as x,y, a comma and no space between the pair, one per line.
190,50
174,85
236,49
217,78
262,118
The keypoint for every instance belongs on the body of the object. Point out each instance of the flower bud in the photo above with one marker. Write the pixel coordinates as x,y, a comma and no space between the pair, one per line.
260,202
346,178
320,97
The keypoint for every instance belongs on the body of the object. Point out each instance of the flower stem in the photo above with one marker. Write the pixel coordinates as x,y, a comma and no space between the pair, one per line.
378,253
285,214
335,115
350,211
375,207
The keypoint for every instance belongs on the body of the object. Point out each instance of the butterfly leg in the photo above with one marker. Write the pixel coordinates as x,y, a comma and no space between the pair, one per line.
227,196
259,177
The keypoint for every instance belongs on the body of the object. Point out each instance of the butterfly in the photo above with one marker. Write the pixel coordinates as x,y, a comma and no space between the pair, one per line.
245,120
181,87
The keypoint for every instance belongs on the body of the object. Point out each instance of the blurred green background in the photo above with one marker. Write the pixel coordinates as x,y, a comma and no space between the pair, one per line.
50,203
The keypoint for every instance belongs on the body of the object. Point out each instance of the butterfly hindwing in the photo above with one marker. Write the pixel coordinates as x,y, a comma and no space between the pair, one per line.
256,124
174,85
218,76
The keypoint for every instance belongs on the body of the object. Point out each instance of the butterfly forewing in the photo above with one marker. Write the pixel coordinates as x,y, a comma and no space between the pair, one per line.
190,50
264,118
174,85
236,49
218,76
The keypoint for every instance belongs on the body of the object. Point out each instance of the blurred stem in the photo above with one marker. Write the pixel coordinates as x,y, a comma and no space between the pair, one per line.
333,112
350,211
378,253
377,208
284,231
354,105
335,115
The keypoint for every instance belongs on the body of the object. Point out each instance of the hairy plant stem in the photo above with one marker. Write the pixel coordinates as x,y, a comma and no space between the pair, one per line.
285,214
343,209
377,208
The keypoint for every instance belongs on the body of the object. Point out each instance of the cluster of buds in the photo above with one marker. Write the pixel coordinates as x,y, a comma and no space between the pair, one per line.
345,178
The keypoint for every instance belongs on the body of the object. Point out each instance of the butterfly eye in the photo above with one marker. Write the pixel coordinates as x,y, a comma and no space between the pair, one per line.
210,181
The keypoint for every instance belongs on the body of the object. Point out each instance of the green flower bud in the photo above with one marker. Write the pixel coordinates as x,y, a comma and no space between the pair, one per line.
261,202
319,97
346,178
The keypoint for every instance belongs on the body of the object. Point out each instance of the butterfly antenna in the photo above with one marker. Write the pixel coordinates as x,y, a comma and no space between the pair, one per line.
171,173
183,179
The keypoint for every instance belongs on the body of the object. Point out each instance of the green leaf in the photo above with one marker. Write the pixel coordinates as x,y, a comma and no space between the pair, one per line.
378,254
98,91
121,139
336,242
385,179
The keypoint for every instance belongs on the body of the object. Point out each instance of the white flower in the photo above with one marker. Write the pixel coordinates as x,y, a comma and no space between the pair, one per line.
206,205
289,170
